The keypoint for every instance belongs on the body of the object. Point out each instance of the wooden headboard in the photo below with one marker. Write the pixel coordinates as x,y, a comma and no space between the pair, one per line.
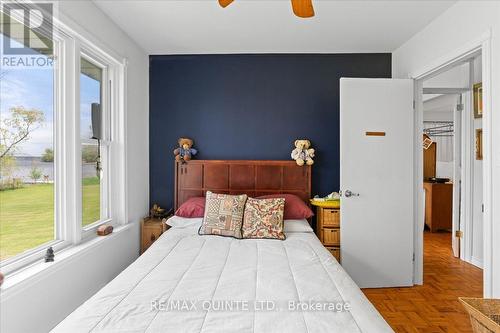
254,178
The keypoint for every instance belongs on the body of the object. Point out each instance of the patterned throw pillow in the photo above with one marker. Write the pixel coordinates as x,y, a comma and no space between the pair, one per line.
264,218
223,215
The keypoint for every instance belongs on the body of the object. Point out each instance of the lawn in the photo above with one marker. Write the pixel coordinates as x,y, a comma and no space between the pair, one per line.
90,200
27,215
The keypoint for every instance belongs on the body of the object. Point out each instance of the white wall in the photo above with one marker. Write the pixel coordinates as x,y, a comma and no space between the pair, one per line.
441,108
37,307
461,24
454,78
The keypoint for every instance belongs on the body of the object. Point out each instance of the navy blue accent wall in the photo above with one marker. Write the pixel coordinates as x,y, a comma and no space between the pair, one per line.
250,107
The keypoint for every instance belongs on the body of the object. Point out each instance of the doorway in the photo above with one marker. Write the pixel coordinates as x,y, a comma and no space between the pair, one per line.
452,158
471,216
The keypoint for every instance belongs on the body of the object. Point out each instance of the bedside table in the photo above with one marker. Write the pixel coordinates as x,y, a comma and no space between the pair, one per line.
328,229
151,230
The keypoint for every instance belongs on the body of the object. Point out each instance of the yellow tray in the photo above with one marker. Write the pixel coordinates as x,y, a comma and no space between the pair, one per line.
326,204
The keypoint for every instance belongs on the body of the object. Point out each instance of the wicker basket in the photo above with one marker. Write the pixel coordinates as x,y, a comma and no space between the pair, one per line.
484,314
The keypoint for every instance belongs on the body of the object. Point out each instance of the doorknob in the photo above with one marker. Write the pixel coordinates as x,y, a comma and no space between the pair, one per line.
348,194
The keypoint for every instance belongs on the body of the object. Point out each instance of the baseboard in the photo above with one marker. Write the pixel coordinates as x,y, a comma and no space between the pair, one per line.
476,262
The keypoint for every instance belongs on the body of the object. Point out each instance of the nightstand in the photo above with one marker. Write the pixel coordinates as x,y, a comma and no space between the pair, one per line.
151,230
328,229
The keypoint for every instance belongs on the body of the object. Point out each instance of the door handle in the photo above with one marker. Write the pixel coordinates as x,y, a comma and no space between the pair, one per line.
348,194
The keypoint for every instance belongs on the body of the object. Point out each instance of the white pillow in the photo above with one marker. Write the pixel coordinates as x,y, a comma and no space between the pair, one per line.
297,226
182,222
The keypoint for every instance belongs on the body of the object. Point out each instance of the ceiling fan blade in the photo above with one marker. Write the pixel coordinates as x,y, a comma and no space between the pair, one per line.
302,8
225,3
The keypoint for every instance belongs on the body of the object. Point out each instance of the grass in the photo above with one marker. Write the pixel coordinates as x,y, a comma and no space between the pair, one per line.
26,218
27,215
90,200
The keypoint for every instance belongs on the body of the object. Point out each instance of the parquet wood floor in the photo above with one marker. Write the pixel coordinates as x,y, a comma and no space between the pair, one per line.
434,306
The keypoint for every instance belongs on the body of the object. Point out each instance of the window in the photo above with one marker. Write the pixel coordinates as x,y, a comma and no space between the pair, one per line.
26,153
62,131
93,143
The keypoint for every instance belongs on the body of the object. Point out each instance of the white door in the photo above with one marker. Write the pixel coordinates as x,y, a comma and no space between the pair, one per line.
376,179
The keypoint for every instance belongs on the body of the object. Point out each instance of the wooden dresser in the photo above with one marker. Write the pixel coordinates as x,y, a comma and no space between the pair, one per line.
151,230
438,205
328,229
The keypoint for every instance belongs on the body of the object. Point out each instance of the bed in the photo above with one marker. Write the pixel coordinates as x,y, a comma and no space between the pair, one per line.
190,283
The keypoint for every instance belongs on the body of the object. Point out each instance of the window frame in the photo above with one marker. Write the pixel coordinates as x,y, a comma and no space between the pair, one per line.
59,242
72,43
105,143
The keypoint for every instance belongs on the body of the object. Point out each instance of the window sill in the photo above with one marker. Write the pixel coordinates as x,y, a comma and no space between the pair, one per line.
33,273
89,231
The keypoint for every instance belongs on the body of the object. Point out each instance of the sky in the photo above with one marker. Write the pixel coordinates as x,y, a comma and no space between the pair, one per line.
33,87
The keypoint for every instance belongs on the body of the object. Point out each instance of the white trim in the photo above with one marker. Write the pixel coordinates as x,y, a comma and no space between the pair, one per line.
487,171
88,41
30,275
120,130
418,183
26,258
94,57
481,45
457,218
91,228
467,176
444,63
444,91
76,147
476,262
62,93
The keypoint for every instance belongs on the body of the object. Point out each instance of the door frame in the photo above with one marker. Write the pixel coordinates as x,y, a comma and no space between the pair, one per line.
480,45
460,125
458,149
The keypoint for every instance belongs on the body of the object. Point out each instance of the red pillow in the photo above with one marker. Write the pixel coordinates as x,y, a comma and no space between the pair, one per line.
295,207
192,207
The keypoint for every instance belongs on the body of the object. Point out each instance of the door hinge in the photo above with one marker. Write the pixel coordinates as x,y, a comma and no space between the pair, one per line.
460,107
459,233
414,105
413,257
482,208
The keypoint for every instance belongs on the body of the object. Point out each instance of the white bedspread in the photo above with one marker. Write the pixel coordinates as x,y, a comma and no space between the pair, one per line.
197,273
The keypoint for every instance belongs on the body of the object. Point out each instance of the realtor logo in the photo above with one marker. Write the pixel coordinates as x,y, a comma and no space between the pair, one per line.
28,28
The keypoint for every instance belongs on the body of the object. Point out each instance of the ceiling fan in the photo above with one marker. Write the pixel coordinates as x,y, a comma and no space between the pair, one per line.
301,8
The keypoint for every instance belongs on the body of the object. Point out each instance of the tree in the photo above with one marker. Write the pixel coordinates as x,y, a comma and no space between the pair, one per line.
35,173
7,166
48,155
18,127
89,154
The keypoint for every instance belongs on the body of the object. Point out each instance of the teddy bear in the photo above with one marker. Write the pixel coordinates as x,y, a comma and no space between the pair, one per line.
185,150
302,154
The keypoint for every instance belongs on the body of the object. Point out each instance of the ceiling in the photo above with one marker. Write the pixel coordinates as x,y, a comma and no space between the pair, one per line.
269,26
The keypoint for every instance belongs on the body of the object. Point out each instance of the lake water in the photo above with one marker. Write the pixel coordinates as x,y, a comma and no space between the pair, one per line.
24,164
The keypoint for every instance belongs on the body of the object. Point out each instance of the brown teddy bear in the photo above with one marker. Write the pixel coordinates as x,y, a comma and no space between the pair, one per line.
185,150
302,154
